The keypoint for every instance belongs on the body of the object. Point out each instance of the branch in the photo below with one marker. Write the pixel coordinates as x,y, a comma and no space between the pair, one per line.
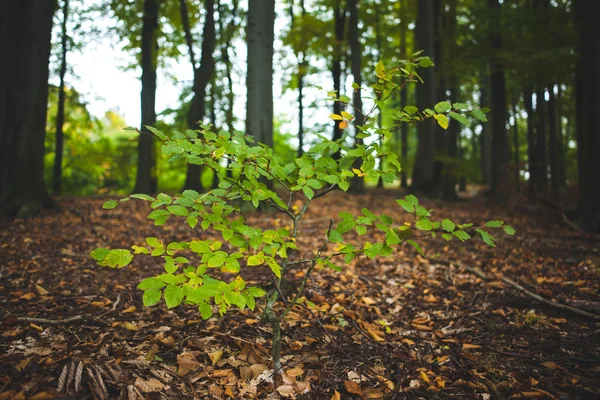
51,321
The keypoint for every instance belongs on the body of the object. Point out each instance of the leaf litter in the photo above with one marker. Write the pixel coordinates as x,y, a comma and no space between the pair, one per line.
407,326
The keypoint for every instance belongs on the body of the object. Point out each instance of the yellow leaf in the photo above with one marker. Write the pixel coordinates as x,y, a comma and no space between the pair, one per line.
215,355
28,296
130,326
347,116
424,376
551,365
343,125
336,117
37,327
336,395
408,342
129,310
41,291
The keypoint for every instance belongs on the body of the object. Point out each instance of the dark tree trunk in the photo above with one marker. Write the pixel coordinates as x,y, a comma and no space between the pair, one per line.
485,156
403,101
302,65
60,113
146,180
339,14
357,184
588,104
202,77
517,170
423,171
453,133
25,37
540,142
553,145
531,142
498,89
562,140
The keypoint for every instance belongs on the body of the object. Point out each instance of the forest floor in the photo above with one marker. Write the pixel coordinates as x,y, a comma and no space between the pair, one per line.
397,328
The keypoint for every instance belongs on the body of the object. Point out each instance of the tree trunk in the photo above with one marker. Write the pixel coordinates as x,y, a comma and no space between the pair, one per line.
588,104
553,145
498,89
146,180
423,171
302,66
485,156
259,78
339,15
357,184
540,142
25,37
453,133
403,101
202,77
517,171
60,113
531,142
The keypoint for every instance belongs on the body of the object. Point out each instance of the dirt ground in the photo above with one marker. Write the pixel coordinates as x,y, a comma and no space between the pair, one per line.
403,327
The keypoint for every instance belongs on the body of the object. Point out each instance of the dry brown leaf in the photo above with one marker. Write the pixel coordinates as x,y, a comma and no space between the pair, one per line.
150,385
352,387
130,326
420,327
28,296
468,346
551,365
294,372
129,310
187,362
336,395
370,393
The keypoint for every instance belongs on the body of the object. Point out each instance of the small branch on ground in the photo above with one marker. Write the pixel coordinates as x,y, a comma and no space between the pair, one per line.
51,321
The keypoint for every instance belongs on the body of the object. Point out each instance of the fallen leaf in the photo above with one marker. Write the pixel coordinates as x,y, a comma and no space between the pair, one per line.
215,355
186,362
352,387
336,395
41,291
130,326
28,296
129,310
424,376
294,372
468,346
551,365
150,385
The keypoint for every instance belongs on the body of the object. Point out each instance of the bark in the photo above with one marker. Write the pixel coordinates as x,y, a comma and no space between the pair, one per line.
562,140
453,133
498,89
517,170
423,171
202,77
540,142
485,155
553,145
259,78
25,37
588,104
146,181
357,184
403,103
531,142
60,113
302,66
336,69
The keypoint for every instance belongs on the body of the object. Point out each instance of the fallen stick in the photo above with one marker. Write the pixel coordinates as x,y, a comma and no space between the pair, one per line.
51,321
520,288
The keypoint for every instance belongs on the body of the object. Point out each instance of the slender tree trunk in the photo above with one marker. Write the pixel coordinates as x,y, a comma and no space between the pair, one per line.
300,77
498,88
541,146
588,104
517,171
403,101
562,140
339,14
146,180
25,36
484,142
357,185
60,113
423,171
202,77
553,145
259,78
453,133
531,142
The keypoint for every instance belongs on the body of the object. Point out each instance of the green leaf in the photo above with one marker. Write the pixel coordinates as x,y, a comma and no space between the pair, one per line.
448,225
486,237
308,192
180,211
109,205
361,229
479,115
462,235
315,184
173,296
275,267
379,68
412,200
416,246
344,185
494,224
142,196
151,283
509,230
118,258
158,133
335,236
227,234
424,224
406,205
99,254
256,291
442,107
217,260
254,260
151,297
192,221
459,118
426,62
205,310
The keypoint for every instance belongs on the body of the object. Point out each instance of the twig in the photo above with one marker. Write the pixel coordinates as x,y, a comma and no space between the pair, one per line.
51,321
520,288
